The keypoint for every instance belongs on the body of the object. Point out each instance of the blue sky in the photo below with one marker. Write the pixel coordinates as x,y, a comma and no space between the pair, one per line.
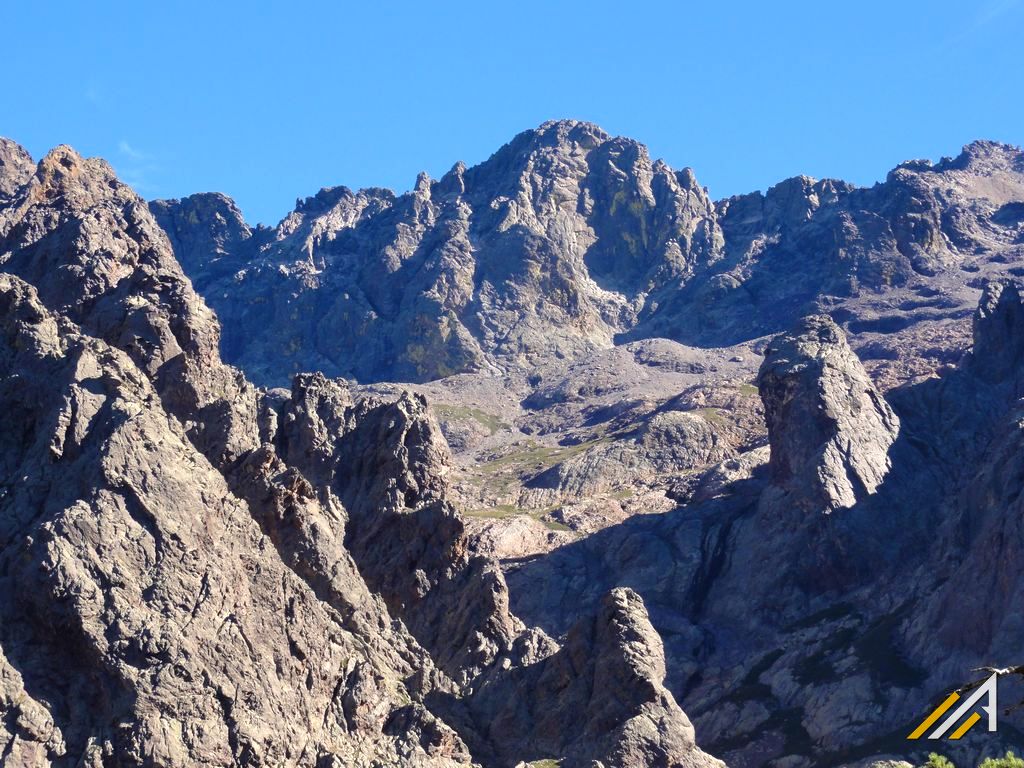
268,104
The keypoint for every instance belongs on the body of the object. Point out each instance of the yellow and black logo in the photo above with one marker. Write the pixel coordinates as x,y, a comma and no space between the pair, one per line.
988,691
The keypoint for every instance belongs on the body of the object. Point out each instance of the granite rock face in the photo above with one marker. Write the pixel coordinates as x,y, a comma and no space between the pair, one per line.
144,610
549,248
829,428
16,167
570,289
998,341
598,699
810,639
198,572
201,571
568,240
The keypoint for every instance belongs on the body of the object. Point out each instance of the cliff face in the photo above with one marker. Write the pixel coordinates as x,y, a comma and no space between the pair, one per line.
811,595
829,427
200,571
547,249
197,572
567,239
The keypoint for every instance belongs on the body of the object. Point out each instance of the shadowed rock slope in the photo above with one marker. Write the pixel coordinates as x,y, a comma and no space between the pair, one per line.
816,604
201,571
586,322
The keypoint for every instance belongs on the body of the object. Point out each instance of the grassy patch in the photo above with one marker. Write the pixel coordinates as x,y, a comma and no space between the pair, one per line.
549,763
712,415
749,390
499,512
535,457
554,525
501,478
488,421
505,511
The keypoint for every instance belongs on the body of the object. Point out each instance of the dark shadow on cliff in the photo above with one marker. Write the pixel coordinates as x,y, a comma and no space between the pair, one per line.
730,584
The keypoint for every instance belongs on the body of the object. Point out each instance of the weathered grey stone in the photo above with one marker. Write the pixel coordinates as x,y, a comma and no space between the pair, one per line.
830,430
601,697
142,603
565,238
346,618
200,573
16,167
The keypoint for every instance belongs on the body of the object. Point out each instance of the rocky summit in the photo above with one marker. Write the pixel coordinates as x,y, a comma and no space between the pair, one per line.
554,460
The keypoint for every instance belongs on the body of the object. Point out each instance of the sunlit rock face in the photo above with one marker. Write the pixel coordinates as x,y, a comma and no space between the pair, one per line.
197,572
829,428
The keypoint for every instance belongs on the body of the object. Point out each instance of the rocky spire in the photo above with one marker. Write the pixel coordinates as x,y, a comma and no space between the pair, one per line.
16,167
999,332
829,428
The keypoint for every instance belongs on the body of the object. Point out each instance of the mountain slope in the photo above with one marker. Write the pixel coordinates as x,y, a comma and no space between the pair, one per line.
201,571
567,240
198,572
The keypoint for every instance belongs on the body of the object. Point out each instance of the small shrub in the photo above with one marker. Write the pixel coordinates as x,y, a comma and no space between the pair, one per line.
1009,760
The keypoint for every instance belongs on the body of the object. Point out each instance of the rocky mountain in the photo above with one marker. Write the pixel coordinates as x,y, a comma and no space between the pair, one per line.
812,597
659,470
568,240
197,572
564,302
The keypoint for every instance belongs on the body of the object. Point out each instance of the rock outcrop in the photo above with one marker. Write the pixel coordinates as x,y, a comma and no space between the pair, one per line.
197,572
143,607
16,167
208,234
568,240
819,635
548,248
998,351
600,699
830,430
386,462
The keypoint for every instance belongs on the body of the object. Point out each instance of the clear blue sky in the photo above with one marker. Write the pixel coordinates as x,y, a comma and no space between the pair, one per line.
269,104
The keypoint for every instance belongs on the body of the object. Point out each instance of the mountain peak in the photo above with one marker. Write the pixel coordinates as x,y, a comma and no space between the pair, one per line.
556,133
568,128
16,166
980,155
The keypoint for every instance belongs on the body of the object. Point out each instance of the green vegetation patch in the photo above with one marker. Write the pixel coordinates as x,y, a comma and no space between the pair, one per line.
490,422
536,456
554,525
712,415
499,512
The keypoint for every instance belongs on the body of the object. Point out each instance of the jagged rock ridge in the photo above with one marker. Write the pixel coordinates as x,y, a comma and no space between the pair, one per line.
567,240
198,572
792,639
796,637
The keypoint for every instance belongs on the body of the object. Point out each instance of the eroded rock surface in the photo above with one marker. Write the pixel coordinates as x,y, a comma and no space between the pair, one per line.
199,572
829,428
798,620
566,290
